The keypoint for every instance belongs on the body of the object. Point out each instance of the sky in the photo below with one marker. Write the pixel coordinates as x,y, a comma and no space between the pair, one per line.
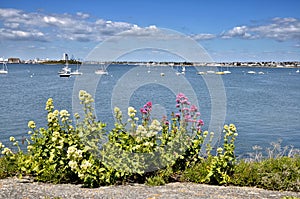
229,30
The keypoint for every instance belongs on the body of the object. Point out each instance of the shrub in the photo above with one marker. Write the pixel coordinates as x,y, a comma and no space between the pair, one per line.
276,174
216,169
148,150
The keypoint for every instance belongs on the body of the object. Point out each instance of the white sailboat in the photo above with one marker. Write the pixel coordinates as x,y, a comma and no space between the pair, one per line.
297,71
227,71
101,71
76,72
4,69
66,71
183,70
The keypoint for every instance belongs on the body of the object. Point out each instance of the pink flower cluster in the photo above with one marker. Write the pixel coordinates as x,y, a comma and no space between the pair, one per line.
187,111
146,110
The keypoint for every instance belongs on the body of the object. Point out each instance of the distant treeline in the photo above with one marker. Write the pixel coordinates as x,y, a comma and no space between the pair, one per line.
72,61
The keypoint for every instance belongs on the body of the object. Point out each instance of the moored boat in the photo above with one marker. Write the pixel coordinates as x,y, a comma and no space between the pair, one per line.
4,69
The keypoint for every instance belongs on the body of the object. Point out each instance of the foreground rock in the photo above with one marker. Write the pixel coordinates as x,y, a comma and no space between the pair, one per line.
15,188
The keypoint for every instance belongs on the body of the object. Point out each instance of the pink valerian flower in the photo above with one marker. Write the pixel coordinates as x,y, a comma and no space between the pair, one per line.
143,111
147,108
149,104
200,123
187,118
177,115
193,108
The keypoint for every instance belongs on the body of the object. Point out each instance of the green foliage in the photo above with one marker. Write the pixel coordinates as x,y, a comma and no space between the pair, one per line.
48,148
276,174
216,169
222,165
8,167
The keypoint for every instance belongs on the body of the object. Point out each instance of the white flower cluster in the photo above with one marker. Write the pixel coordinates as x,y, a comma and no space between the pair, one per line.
74,153
6,151
31,125
64,115
131,112
1,145
85,97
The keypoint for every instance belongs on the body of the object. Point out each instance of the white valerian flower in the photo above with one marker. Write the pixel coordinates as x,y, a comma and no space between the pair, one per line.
31,125
73,164
71,150
12,139
141,131
6,151
131,111
154,128
1,145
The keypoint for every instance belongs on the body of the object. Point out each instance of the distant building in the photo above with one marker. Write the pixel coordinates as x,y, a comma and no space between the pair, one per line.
65,56
14,60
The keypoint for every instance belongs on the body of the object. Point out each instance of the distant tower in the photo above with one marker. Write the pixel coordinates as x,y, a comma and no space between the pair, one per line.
65,56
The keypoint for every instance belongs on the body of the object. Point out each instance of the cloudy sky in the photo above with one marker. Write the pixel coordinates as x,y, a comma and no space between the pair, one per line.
229,30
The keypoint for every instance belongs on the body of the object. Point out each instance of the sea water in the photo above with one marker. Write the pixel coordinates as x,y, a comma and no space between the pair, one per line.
264,108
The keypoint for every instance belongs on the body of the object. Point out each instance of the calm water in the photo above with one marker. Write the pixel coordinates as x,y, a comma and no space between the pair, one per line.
264,108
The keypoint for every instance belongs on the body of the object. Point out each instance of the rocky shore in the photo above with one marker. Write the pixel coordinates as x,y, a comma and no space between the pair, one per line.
12,188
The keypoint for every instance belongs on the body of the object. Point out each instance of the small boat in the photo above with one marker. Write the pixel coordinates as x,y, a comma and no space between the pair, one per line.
201,73
220,73
101,71
261,73
183,70
76,72
66,71
227,71
298,71
251,72
4,69
162,74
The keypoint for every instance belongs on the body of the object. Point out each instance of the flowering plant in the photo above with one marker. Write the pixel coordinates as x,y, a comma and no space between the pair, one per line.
133,149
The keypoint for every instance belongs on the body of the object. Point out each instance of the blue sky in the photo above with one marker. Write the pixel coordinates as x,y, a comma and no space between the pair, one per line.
256,30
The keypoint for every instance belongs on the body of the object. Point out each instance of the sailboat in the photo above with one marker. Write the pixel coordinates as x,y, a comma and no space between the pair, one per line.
101,71
227,71
183,70
220,72
66,71
76,72
4,68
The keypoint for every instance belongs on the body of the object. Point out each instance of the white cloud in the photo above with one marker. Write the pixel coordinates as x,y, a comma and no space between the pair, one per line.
9,34
280,29
83,15
77,27
199,37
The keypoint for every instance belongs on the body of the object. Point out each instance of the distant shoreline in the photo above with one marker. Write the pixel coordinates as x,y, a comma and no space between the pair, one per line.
175,64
